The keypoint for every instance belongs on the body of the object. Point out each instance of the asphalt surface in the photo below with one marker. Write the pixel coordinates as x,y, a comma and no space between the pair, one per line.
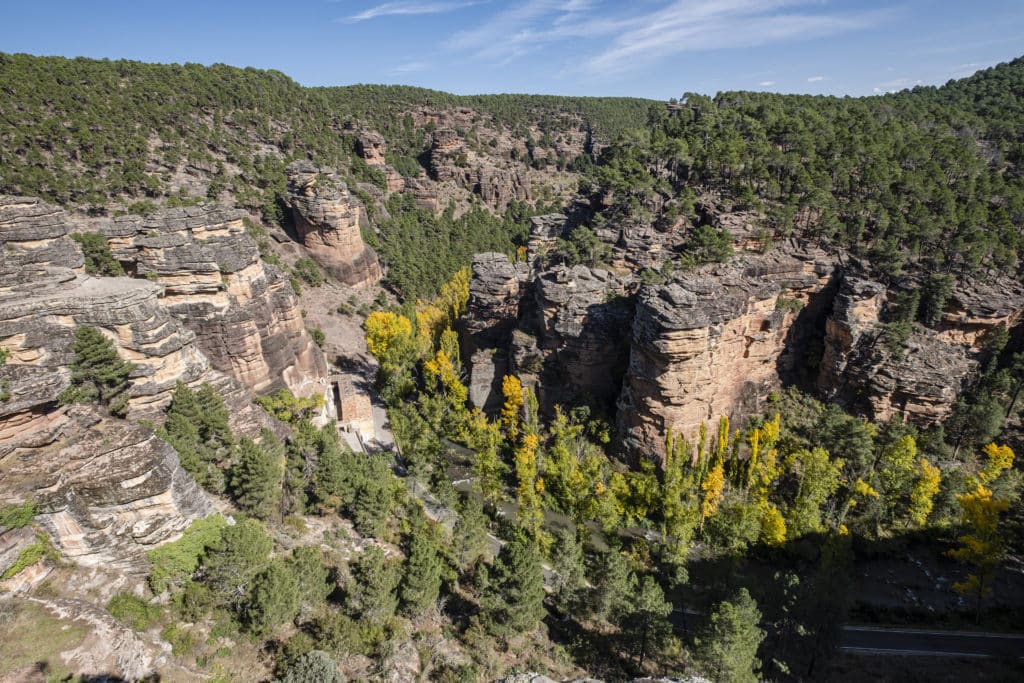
870,640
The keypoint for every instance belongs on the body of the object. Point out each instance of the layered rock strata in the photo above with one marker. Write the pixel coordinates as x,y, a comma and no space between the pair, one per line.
495,292
327,220
712,344
920,382
244,313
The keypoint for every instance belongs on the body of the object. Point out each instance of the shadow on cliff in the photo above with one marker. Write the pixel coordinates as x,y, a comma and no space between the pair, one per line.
800,361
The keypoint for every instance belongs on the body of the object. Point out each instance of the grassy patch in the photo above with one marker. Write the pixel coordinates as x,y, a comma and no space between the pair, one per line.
133,611
34,636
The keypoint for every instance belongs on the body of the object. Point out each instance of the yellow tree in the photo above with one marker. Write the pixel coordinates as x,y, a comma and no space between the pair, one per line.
484,438
997,459
512,409
922,495
712,487
389,337
531,516
982,546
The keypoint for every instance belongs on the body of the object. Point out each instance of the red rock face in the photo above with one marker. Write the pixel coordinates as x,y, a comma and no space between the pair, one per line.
327,223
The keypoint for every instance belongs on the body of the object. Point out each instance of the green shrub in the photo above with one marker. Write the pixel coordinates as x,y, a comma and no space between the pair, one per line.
17,516
133,611
318,336
98,259
175,562
29,555
307,270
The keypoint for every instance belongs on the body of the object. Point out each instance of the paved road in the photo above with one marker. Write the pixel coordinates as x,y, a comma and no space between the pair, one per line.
872,640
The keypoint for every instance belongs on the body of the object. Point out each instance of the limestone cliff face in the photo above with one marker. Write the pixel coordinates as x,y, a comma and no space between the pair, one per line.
495,181
495,292
711,344
108,490
584,320
922,381
244,314
327,222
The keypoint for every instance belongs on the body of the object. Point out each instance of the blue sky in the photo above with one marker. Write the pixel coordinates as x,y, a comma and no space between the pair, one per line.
646,48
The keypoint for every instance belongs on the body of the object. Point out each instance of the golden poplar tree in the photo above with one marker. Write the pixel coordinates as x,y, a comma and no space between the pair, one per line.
982,545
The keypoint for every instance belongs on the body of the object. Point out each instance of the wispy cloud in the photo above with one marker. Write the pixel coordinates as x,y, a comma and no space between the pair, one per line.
815,79
393,9
410,67
636,35
721,24
766,84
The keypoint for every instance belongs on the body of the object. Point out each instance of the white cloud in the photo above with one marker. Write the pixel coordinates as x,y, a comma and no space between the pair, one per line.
410,67
718,24
815,79
405,8
765,84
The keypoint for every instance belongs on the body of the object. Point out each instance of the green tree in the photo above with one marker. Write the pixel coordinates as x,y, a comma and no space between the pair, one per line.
614,585
257,473
98,259
372,592
313,578
567,563
421,584
644,624
470,534
274,598
230,564
514,600
727,646
97,373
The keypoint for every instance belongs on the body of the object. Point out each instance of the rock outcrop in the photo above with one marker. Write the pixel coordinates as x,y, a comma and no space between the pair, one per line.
327,220
713,343
244,313
920,382
583,334
107,490
495,292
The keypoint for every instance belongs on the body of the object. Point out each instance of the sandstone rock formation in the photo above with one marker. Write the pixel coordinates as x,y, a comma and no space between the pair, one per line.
712,344
327,220
921,382
584,321
495,291
107,490
244,313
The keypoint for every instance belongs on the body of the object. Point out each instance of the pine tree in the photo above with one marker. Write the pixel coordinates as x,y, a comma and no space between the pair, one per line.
372,592
470,534
614,585
230,564
97,373
273,598
727,646
514,601
644,624
257,473
421,584
313,578
567,564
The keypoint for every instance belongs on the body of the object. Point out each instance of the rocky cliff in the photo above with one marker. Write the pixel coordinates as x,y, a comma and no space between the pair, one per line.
94,478
243,312
921,381
327,220
713,343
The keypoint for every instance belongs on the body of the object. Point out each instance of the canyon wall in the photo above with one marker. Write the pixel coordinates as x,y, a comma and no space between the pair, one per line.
326,220
714,343
243,312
